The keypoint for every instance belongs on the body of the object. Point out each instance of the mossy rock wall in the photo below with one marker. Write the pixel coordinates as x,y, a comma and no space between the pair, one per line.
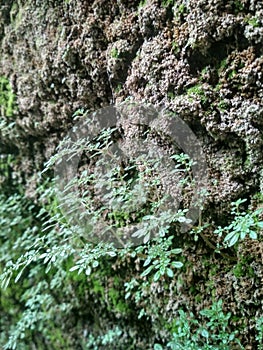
200,59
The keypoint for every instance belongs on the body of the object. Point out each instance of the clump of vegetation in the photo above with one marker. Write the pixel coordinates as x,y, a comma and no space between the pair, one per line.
53,268
211,331
114,53
167,3
243,224
197,91
7,98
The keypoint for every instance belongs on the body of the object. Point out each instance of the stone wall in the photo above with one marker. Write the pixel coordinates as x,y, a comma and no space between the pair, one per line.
202,59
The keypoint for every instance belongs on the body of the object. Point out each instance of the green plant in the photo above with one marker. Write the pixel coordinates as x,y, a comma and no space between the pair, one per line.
89,257
179,10
243,268
142,3
183,163
7,98
166,3
238,6
122,185
243,224
53,272
51,250
118,88
197,91
175,48
35,263
115,53
259,336
17,236
160,259
223,105
158,264
209,332
109,338
171,95
182,8
232,74
254,22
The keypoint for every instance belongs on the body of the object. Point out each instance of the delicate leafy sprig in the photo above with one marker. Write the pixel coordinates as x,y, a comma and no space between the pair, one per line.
243,224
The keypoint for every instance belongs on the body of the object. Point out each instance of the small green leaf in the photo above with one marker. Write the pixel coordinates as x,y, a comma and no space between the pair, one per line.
133,254
157,347
76,267
88,271
243,234
95,263
205,333
230,235
111,254
231,238
147,261
156,276
169,272
48,268
47,258
176,251
231,337
177,264
19,275
162,270
6,281
147,271
253,235
80,270
146,238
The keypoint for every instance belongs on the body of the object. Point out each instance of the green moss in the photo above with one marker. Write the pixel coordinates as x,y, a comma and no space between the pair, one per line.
98,288
117,303
175,47
243,269
192,289
258,197
197,91
222,105
254,22
142,3
166,3
204,72
222,65
7,98
237,6
58,339
171,95
198,298
114,53
218,87
238,271
182,9
116,297
120,218
118,88
232,74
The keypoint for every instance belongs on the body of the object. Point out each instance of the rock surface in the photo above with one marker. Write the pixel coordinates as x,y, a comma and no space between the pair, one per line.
202,59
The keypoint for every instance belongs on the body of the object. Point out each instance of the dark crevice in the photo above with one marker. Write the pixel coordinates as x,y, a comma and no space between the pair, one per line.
217,52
